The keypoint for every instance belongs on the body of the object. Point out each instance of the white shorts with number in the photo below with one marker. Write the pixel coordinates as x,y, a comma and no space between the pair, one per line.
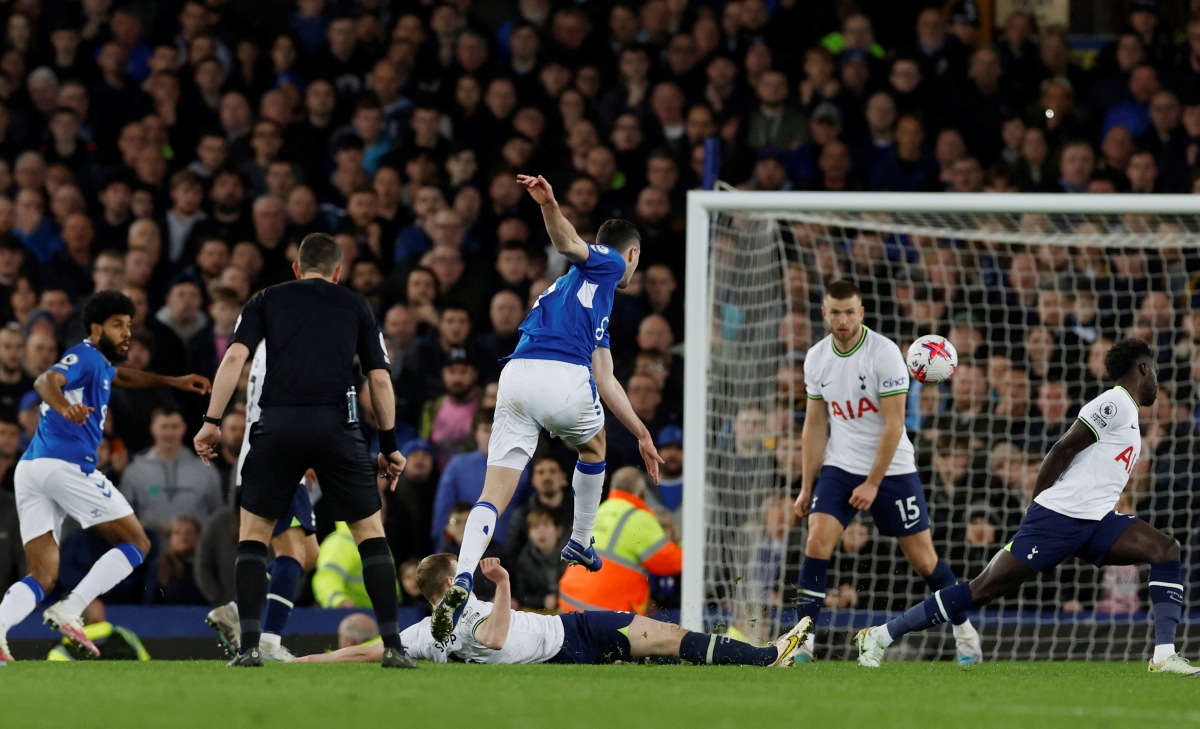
536,395
48,490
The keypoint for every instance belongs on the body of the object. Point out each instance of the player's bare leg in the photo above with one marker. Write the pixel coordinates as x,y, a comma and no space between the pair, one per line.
588,485
653,638
919,551
1143,544
824,531
1003,575
22,598
499,485
130,547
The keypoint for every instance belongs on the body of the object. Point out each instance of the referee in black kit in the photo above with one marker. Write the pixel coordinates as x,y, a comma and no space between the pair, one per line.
313,329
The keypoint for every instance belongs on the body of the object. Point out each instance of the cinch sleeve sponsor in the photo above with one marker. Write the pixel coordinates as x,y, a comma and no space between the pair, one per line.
891,372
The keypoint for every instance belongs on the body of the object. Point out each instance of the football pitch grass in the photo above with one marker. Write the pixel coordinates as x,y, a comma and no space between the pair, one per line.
180,695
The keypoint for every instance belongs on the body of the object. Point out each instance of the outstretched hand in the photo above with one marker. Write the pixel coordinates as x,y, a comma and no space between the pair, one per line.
193,383
492,570
538,188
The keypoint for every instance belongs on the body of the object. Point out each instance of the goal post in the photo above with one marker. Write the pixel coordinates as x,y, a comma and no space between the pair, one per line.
743,322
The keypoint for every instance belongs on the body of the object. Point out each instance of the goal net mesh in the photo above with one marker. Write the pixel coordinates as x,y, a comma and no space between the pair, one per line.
1031,302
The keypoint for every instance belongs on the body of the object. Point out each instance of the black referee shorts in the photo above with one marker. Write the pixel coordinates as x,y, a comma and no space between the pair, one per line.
287,441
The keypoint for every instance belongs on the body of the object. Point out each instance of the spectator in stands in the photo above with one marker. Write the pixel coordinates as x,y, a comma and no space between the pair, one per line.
167,480
537,567
462,480
175,582
356,628
447,421
551,493
668,492
505,314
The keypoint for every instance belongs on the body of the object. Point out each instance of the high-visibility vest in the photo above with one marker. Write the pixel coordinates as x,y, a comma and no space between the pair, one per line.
633,546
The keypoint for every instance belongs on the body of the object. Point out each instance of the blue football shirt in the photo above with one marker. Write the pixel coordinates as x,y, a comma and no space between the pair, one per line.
570,319
89,381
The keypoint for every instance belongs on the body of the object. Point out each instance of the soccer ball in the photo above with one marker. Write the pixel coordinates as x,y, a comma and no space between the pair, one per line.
932,359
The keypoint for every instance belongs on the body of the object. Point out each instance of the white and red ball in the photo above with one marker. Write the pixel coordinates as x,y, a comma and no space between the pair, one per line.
932,359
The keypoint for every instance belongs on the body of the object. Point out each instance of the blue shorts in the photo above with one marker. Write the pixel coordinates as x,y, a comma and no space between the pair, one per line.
596,637
1046,538
299,515
899,508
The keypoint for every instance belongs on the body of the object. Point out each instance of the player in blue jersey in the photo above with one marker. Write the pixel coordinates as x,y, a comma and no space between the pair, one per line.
554,381
57,476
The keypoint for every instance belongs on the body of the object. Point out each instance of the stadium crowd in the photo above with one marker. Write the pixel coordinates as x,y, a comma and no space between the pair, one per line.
179,150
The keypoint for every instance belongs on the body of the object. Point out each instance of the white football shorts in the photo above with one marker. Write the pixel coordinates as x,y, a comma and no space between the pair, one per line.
48,490
536,395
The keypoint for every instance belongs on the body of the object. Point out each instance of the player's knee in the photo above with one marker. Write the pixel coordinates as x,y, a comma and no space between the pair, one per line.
819,544
1171,551
46,576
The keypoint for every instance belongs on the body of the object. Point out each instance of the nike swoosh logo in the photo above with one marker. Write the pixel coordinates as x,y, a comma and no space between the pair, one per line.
824,384
907,525
791,646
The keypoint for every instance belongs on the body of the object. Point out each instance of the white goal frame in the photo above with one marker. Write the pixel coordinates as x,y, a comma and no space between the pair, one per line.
702,205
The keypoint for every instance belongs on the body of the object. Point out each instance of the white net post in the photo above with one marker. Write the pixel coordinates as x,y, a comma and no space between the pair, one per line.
1012,279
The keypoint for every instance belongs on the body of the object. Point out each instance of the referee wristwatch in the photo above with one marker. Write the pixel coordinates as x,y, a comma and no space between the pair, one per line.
211,420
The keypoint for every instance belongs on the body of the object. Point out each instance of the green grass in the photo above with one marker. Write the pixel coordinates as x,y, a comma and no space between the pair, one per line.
179,695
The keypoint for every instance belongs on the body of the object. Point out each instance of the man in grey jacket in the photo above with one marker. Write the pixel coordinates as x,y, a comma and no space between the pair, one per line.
167,480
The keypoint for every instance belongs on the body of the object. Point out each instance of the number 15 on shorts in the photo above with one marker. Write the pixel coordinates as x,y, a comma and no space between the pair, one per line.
909,511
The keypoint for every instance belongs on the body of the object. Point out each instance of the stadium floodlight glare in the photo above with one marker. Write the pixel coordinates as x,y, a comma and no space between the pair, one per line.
751,254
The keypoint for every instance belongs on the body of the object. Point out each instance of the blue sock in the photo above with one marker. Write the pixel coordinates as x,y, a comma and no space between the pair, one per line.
1166,595
281,593
933,610
720,650
811,595
942,578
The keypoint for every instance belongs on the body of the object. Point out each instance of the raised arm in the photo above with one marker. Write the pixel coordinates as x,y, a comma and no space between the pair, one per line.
132,379
618,402
562,233
1061,455
493,631
49,385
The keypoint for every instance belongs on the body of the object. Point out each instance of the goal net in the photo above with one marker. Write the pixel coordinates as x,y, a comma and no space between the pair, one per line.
1031,290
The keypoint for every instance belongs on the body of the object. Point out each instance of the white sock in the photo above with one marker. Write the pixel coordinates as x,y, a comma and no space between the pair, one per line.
966,630
115,565
588,485
885,637
268,640
19,601
1163,652
810,642
481,525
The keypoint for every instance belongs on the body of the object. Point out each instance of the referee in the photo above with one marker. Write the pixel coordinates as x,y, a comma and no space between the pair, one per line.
313,329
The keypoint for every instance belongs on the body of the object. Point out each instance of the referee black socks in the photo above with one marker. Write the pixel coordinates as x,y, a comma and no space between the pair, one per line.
251,576
379,578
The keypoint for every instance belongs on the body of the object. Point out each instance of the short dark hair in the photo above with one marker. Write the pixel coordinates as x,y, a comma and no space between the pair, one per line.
105,304
1121,359
320,252
618,234
842,289
165,411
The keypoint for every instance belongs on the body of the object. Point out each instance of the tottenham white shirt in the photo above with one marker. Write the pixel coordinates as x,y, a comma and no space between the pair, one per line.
852,385
532,638
1092,484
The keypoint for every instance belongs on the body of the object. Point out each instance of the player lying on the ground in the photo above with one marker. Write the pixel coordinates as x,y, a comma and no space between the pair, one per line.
57,476
495,633
1072,513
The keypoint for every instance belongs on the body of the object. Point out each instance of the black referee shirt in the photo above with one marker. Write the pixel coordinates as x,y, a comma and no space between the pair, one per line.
313,330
